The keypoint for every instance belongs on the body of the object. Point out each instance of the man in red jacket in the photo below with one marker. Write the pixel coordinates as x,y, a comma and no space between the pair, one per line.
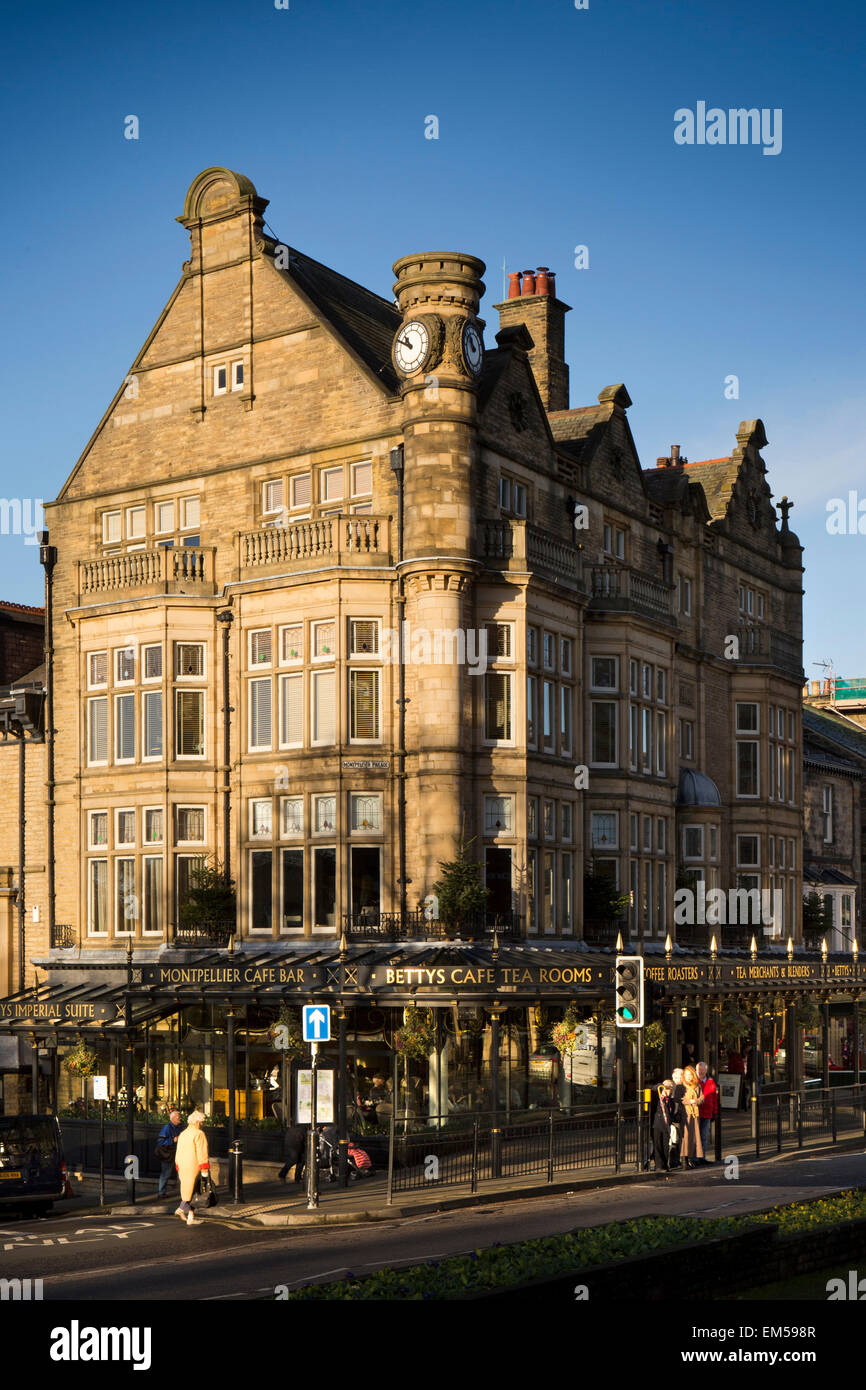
709,1108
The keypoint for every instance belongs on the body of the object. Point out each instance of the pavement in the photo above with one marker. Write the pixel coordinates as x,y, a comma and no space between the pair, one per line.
275,1204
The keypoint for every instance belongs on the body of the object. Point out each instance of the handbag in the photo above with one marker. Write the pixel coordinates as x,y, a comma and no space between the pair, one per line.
208,1190
164,1152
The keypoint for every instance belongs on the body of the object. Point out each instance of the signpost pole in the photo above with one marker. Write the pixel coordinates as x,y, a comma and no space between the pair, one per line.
715,1029
639,1097
313,1147
102,1153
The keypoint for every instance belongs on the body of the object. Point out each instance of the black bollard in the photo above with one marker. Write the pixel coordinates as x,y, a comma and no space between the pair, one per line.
236,1173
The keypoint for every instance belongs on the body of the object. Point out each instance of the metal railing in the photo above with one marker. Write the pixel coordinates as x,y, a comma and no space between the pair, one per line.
368,924
63,937
426,1152
215,931
799,1119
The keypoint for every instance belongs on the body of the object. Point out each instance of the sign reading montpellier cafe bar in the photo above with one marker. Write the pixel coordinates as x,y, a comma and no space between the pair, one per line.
470,977
297,975
56,1011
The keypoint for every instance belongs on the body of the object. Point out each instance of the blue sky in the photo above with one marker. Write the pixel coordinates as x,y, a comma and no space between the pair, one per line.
555,130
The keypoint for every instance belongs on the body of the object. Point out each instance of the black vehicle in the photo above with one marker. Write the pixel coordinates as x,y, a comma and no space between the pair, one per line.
32,1168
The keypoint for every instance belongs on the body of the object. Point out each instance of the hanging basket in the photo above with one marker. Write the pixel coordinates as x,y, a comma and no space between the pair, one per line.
81,1060
286,1034
417,1037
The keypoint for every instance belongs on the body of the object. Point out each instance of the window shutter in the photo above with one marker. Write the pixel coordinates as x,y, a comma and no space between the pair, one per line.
324,721
260,714
301,490
292,709
125,730
153,724
99,731
190,722
364,702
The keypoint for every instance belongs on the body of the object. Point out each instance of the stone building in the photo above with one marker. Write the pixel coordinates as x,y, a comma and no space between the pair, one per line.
834,769
341,586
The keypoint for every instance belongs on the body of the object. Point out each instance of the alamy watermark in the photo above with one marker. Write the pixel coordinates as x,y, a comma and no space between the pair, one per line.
736,126
715,907
424,646
22,516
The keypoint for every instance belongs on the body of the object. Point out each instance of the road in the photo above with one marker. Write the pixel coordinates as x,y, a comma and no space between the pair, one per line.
96,1257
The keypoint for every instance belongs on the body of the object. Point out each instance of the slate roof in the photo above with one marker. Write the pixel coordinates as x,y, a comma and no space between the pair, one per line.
716,476
366,322
827,726
578,431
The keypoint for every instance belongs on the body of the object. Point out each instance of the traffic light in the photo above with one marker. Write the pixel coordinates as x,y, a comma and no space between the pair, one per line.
629,992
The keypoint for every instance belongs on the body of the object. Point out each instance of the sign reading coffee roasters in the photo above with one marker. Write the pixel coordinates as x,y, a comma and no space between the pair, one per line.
470,977
55,1011
236,976
754,972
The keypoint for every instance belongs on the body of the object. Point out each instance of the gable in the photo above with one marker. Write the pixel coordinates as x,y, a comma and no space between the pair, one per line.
511,412
310,362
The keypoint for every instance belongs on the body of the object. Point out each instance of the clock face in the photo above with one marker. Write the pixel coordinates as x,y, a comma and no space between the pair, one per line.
412,346
473,347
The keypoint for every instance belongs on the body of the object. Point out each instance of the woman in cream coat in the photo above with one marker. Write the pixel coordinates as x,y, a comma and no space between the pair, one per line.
191,1159
691,1103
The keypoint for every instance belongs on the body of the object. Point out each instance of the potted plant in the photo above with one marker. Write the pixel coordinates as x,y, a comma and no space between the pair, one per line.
210,908
462,896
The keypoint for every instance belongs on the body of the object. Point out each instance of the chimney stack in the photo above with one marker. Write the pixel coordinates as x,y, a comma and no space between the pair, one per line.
534,304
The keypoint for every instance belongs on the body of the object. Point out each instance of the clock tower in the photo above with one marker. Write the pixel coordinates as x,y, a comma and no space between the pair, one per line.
438,353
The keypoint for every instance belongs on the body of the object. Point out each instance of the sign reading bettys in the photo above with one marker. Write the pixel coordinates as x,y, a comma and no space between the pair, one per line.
56,1011
469,977
300,975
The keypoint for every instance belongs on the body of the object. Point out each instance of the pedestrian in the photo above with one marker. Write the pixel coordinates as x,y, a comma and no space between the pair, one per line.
677,1117
191,1161
663,1126
737,1067
166,1151
709,1107
691,1104
689,1058
294,1152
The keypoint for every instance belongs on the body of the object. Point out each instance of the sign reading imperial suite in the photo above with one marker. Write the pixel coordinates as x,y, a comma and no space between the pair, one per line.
56,1011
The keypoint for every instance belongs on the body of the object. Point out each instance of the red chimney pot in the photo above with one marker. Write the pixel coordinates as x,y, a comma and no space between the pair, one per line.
514,284
542,281
528,282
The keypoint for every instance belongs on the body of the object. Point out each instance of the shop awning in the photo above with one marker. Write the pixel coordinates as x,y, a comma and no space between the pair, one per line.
79,1007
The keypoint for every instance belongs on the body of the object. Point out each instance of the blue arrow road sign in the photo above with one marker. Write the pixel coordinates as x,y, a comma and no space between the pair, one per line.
317,1022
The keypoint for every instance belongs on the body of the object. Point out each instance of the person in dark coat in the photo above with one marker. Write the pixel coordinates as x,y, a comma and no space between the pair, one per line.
166,1148
665,1110
677,1117
294,1152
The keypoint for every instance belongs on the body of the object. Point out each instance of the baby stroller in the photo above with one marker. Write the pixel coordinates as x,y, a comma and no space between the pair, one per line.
360,1163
